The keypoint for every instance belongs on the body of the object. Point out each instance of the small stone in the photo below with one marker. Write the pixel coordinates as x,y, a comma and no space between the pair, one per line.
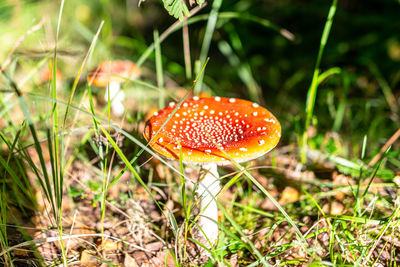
337,208
289,195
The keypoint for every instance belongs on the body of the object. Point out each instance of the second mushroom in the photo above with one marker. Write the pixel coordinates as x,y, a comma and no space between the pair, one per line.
111,74
212,131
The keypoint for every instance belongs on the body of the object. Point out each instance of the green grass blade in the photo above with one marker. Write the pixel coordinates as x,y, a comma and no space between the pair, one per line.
159,70
312,91
76,81
205,47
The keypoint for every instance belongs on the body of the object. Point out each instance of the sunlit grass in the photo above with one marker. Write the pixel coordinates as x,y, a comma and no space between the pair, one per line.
43,132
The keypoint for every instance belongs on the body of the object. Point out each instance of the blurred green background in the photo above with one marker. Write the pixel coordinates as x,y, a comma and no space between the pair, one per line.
364,43
264,51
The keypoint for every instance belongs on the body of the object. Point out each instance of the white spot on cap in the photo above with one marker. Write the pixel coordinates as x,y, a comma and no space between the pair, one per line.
207,151
184,113
255,113
255,105
217,98
243,149
171,104
176,115
155,114
212,111
261,142
259,129
195,98
160,139
185,105
236,113
232,100
205,107
189,153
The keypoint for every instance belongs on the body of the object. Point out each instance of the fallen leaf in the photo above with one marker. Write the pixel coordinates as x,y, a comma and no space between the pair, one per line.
234,260
129,261
160,259
155,246
109,245
88,260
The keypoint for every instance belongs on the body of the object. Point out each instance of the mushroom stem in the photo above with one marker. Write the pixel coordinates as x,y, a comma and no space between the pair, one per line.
116,97
208,189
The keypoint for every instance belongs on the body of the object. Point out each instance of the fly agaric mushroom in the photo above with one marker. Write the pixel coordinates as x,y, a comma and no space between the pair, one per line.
111,74
209,131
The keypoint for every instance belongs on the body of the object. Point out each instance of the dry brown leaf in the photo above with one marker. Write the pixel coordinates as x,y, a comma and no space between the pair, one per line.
234,260
155,246
110,245
159,260
129,261
88,260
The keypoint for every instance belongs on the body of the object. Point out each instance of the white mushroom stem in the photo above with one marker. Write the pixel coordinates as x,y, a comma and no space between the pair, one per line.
116,97
208,189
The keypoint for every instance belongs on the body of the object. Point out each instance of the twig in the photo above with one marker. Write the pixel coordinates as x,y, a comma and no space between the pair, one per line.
389,143
71,230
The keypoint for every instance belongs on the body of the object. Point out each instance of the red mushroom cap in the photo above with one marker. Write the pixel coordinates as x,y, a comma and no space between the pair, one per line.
207,128
116,70
47,75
